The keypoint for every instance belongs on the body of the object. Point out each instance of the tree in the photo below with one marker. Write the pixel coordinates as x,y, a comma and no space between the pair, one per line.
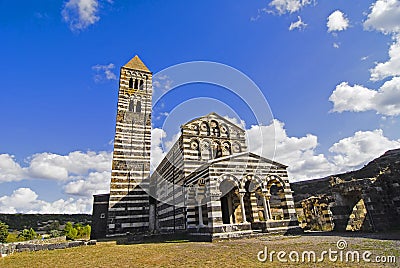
27,234
55,233
70,232
3,232
77,231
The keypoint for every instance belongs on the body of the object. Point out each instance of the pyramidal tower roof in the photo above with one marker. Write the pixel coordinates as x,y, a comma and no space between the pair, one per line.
137,64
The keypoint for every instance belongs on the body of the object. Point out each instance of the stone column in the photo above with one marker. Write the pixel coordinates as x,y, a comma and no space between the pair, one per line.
241,195
268,206
199,203
266,215
214,209
267,210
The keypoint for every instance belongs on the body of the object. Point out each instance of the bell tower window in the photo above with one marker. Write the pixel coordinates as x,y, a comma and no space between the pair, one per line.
131,83
138,106
131,106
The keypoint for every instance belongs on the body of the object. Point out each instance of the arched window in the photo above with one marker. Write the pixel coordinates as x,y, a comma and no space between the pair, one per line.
226,149
138,106
194,145
141,84
236,148
214,128
131,106
136,84
205,150
224,130
217,150
205,129
131,82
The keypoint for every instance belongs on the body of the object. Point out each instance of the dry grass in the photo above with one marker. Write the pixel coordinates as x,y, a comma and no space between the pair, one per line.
232,253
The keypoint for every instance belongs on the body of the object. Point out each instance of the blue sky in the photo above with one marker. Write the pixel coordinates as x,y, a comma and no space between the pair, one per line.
328,69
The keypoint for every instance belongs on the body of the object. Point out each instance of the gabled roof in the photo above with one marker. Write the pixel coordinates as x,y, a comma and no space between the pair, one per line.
137,64
216,115
233,156
249,154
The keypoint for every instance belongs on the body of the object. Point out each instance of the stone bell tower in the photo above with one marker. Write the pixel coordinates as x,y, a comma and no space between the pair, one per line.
128,209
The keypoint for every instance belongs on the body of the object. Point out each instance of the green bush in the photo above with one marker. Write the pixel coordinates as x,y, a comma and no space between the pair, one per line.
55,233
13,237
3,232
77,232
27,234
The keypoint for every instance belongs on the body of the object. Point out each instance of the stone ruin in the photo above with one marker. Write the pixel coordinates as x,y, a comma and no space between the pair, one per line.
364,200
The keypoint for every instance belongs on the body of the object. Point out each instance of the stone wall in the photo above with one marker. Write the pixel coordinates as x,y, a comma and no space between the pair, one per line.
10,248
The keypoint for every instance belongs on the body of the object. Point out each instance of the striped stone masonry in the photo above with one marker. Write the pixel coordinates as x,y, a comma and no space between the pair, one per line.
129,199
189,180
208,185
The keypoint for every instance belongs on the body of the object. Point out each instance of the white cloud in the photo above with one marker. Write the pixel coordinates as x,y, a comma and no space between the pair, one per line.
236,121
392,66
337,21
157,153
162,83
296,152
336,45
362,147
81,173
65,167
170,143
255,18
384,17
10,170
24,200
104,72
291,6
352,98
299,24
94,183
357,98
80,14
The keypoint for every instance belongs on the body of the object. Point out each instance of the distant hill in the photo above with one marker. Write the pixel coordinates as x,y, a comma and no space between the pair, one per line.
387,167
42,222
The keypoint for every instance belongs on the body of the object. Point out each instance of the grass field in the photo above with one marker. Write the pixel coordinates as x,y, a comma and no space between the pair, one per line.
227,253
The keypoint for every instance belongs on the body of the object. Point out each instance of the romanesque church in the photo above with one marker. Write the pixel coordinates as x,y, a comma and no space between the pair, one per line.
208,186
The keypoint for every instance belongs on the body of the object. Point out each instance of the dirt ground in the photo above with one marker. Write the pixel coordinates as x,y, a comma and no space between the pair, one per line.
293,251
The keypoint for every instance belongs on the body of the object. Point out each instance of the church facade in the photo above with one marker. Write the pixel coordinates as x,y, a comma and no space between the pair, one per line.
208,186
